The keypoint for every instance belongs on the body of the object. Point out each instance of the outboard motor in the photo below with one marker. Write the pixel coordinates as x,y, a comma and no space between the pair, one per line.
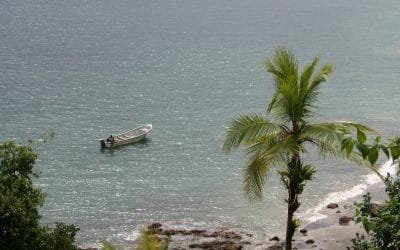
103,143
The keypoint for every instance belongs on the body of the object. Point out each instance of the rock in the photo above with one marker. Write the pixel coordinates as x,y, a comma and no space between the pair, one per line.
338,212
275,238
310,242
303,231
275,247
203,239
232,246
344,220
223,234
169,232
155,228
332,205
223,245
154,225
197,232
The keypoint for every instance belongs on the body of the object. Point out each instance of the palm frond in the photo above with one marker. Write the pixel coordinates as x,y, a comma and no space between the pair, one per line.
320,76
295,95
329,133
263,157
284,68
286,62
254,178
309,86
328,136
247,129
307,74
286,106
359,126
274,148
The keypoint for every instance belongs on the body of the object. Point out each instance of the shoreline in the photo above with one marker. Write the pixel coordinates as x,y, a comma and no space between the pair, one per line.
327,233
324,233
335,231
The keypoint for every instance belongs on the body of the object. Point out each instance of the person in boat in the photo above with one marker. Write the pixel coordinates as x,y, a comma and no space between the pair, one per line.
111,139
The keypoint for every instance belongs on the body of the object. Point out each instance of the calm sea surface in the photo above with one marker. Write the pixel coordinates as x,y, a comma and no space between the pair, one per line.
87,68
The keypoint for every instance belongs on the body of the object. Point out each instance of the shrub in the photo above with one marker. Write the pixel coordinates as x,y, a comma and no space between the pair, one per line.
20,202
381,222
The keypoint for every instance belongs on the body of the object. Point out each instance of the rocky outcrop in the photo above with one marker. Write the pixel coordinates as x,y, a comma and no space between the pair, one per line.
202,239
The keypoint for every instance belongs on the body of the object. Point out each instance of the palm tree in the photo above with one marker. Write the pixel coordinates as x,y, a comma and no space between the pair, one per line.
282,142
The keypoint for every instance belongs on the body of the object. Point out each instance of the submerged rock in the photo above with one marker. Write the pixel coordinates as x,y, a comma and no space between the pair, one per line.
275,247
154,225
223,245
344,220
303,231
275,238
332,205
310,241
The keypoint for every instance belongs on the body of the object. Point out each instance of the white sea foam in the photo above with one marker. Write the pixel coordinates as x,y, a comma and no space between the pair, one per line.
314,214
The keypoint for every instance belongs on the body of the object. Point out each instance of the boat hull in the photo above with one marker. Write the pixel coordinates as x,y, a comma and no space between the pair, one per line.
129,137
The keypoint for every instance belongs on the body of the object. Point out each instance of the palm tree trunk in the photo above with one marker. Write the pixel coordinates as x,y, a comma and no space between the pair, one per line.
290,226
293,204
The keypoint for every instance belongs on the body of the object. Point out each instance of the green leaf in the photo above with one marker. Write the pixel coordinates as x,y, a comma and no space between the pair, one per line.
349,147
366,224
373,155
395,151
361,136
348,144
363,149
385,150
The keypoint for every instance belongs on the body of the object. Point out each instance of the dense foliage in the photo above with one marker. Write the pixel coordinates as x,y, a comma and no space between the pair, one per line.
381,222
20,202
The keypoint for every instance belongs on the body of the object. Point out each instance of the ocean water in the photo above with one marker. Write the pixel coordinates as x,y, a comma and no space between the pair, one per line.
87,68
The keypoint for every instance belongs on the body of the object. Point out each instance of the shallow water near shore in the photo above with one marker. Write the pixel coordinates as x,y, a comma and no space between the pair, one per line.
86,69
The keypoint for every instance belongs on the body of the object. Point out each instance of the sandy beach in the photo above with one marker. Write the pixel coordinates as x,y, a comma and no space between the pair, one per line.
327,233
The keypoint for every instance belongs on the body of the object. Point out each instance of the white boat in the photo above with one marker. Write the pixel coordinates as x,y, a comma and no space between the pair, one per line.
128,137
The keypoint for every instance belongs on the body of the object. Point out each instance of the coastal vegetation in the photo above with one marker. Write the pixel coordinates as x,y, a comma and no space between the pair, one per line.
148,240
20,201
281,136
380,221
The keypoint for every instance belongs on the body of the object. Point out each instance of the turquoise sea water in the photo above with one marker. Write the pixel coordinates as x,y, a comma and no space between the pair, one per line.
85,69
